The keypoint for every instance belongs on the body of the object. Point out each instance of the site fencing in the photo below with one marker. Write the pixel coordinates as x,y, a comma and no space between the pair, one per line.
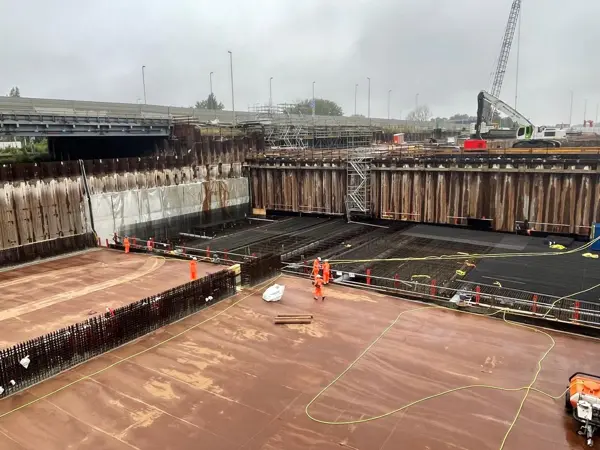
45,249
465,293
35,360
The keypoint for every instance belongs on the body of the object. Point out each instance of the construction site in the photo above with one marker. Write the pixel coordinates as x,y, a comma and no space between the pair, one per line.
283,280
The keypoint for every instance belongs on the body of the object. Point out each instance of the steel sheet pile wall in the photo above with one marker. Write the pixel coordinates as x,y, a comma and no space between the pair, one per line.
558,198
553,202
38,210
45,201
46,249
309,189
73,345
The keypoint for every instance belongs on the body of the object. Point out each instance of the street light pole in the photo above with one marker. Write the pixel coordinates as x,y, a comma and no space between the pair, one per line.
144,82
270,93
211,89
571,111
232,94
369,100
389,96
355,92
313,104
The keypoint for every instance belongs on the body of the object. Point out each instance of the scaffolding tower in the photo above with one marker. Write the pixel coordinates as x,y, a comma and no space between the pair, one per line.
358,181
285,127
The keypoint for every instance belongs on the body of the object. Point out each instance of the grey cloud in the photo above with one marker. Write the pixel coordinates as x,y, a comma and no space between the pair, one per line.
444,50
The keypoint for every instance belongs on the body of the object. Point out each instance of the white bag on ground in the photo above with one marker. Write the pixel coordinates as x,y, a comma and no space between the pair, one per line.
273,293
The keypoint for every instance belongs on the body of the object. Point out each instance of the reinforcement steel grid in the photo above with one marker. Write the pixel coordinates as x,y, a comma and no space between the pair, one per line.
400,245
32,361
301,238
242,241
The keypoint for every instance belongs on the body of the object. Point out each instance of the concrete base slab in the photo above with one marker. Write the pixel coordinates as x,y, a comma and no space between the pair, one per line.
239,382
46,296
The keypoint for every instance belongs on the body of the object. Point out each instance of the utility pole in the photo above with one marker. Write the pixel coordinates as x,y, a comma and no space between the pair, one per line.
144,82
313,104
355,92
232,95
389,95
571,111
369,100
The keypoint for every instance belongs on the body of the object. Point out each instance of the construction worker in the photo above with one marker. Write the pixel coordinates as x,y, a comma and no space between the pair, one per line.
318,288
193,269
326,272
316,267
126,244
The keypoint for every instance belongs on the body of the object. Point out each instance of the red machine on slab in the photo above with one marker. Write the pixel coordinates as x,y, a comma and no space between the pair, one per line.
583,401
475,144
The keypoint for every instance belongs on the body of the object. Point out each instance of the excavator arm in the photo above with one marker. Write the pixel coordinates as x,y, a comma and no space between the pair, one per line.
480,111
486,100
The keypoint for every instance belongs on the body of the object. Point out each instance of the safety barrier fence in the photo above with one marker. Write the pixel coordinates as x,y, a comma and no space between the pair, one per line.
168,249
32,361
466,293
45,249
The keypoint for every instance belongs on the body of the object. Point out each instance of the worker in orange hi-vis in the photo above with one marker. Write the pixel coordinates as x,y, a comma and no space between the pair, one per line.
193,269
318,288
316,267
126,244
326,272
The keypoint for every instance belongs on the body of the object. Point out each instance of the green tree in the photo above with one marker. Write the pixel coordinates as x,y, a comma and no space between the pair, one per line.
210,103
323,107
14,92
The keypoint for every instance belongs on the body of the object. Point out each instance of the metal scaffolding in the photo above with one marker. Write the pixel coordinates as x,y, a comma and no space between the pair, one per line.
285,127
358,181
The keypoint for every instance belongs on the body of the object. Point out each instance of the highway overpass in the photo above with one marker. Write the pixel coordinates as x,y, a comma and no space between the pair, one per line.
37,116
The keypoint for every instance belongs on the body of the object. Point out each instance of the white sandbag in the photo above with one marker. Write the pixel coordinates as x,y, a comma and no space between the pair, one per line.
273,293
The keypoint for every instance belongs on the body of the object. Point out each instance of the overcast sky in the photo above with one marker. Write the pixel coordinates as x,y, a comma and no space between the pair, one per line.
445,50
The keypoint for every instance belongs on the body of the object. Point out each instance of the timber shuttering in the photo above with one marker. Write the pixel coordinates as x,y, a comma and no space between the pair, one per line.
551,199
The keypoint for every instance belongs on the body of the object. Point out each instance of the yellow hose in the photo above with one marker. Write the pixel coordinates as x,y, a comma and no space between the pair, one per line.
462,256
527,388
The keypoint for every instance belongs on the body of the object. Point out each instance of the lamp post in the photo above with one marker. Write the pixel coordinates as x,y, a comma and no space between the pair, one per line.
211,89
232,94
571,111
369,100
313,104
270,93
144,82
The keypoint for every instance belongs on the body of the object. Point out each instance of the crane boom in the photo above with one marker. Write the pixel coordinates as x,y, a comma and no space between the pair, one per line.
509,34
